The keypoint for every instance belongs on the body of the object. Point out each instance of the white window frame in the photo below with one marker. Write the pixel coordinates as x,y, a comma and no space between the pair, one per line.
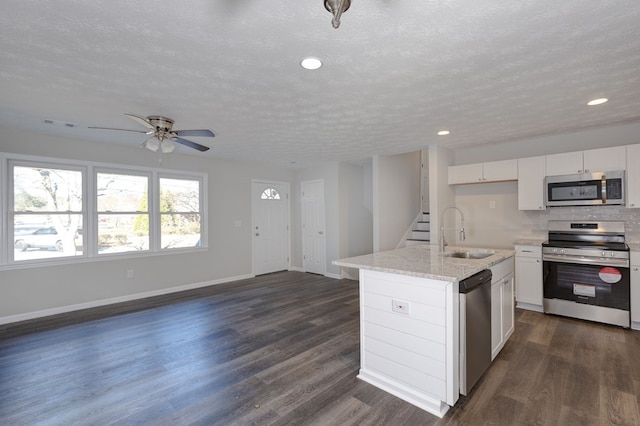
11,213
202,209
90,213
94,236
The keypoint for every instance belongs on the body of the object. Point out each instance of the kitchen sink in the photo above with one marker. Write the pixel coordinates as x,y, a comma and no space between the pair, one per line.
469,254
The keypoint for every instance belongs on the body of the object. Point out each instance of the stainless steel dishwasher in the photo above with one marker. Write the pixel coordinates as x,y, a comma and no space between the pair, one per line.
475,328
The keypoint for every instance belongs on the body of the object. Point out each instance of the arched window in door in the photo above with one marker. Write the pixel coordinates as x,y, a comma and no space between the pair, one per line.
270,194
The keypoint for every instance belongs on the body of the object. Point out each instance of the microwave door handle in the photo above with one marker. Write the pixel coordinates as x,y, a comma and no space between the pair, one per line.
604,189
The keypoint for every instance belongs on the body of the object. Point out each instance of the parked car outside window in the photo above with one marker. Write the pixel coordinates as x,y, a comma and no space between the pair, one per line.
40,238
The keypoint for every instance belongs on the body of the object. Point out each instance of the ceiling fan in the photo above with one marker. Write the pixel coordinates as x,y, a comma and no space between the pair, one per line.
163,134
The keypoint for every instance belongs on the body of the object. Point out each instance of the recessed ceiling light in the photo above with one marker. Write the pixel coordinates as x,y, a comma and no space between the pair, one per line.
598,101
311,63
443,133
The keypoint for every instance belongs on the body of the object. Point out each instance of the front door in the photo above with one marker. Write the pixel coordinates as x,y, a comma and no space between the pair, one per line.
270,227
313,236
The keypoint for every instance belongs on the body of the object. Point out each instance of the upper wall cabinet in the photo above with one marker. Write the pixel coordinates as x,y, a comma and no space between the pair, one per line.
633,176
493,171
593,160
531,172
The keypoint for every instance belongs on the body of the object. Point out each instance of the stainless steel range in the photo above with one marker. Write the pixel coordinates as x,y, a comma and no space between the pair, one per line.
586,271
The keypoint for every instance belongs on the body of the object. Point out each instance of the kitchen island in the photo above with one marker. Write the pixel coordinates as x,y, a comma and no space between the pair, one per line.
409,319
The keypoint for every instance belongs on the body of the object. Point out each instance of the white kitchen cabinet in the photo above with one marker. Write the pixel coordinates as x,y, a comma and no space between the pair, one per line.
564,164
496,171
531,173
502,305
590,161
496,318
605,159
635,290
528,276
633,176
467,173
508,307
493,171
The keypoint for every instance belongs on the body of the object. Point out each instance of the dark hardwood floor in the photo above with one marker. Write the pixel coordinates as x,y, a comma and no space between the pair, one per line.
282,349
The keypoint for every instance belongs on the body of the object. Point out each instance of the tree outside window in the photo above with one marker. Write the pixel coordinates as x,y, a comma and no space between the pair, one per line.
122,201
179,213
47,212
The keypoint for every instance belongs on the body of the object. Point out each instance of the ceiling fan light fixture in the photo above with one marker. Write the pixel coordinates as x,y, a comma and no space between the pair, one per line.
152,144
167,146
337,8
444,133
164,137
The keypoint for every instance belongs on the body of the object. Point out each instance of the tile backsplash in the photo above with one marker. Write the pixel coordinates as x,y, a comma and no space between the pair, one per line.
535,222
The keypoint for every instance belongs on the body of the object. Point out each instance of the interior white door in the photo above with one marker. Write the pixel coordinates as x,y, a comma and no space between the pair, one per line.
313,227
270,227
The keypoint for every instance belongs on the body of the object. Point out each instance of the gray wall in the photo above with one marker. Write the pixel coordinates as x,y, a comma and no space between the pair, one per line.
48,289
441,195
329,173
348,217
356,213
396,197
577,141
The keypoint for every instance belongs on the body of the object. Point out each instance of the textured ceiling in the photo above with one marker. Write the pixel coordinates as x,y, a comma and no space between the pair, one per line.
394,73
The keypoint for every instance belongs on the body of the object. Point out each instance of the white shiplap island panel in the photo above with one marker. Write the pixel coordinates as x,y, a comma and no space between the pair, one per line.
413,351
406,353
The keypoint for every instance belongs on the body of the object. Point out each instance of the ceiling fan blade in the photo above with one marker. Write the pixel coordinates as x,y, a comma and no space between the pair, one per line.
120,130
201,132
141,120
190,144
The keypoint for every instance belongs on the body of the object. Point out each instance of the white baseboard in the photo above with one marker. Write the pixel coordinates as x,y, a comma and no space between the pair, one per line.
418,398
96,303
328,275
530,307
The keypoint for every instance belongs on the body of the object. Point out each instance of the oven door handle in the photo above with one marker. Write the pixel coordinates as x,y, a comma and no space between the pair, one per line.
604,261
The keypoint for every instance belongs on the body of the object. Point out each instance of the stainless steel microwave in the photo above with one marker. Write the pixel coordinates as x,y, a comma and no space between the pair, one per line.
587,189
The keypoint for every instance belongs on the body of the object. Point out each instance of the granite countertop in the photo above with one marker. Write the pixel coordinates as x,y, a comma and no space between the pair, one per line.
634,246
425,262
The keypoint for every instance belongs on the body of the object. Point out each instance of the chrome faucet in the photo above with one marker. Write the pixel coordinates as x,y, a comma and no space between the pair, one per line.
443,242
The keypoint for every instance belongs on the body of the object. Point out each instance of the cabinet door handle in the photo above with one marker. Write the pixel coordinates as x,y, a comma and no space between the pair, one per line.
527,251
538,260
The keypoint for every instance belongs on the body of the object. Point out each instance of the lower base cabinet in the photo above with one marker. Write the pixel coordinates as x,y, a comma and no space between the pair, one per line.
635,290
528,277
502,305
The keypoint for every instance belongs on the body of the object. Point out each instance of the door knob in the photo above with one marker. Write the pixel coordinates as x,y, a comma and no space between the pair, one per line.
257,234
320,232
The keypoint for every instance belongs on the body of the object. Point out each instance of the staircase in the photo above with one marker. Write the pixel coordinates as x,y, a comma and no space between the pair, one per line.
422,233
